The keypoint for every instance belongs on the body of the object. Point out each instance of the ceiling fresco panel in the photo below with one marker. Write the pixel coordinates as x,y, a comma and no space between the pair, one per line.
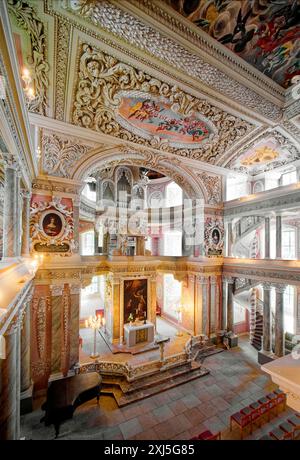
117,99
266,33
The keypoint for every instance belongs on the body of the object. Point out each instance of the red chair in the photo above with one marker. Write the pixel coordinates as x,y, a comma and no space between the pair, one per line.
256,413
284,431
207,436
272,397
281,398
242,421
266,406
295,421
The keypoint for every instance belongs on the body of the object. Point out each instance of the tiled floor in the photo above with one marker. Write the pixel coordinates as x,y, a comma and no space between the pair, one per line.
180,413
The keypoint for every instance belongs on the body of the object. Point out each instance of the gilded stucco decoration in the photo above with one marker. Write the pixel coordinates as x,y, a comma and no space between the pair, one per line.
268,151
61,154
213,185
101,78
170,167
112,18
28,20
52,226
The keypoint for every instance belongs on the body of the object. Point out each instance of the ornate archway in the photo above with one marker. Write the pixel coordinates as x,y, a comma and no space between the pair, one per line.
124,155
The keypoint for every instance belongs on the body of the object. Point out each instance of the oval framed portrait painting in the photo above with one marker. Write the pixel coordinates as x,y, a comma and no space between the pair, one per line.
52,224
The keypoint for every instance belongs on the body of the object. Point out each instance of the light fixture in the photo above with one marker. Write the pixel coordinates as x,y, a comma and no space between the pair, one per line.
94,322
179,319
28,89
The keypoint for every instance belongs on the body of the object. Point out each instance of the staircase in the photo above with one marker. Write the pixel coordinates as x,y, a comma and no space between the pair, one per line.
133,383
243,244
256,319
126,392
256,341
289,342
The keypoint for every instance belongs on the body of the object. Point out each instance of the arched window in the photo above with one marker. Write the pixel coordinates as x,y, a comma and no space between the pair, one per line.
236,187
172,295
87,246
289,309
289,243
89,192
289,177
172,243
173,195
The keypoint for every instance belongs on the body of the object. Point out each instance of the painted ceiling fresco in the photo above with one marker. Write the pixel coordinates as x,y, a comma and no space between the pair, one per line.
150,117
266,154
266,33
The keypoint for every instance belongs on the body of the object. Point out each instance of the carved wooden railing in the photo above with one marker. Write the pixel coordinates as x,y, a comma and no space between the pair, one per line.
132,373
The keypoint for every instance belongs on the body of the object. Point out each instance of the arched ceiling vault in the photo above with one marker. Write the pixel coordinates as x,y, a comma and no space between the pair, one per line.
153,79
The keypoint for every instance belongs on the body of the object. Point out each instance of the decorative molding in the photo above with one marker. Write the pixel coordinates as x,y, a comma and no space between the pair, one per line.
41,306
63,33
213,185
56,290
28,20
37,234
283,143
107,16
60,154
101,77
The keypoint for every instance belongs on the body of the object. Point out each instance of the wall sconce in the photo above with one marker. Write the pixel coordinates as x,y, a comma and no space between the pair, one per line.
29,91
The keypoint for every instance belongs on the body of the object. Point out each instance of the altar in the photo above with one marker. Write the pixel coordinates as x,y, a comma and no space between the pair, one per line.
138,332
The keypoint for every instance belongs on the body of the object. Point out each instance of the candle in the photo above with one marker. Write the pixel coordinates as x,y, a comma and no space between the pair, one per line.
86,323
103,321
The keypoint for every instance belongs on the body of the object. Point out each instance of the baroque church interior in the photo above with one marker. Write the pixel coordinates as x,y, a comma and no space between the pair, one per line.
150,219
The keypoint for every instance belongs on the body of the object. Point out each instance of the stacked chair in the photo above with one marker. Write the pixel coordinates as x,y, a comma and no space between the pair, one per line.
258,411
207,436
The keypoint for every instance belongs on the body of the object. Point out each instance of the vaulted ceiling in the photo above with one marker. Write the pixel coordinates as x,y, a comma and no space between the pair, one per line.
100,73
264,33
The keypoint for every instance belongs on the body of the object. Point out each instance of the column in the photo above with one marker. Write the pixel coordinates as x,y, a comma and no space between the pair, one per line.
187,249
224,305
8,387
229,245
230,282
298,243
278,237
151,315
267,237
117,317
96,240
297,312
56,293
10,209
25,223
26,384
76,206
298,173
266,347
213,305
196,283
18,378
75,290
279,320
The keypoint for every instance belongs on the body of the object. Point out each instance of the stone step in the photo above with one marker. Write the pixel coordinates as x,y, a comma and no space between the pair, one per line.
152,380
124,399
